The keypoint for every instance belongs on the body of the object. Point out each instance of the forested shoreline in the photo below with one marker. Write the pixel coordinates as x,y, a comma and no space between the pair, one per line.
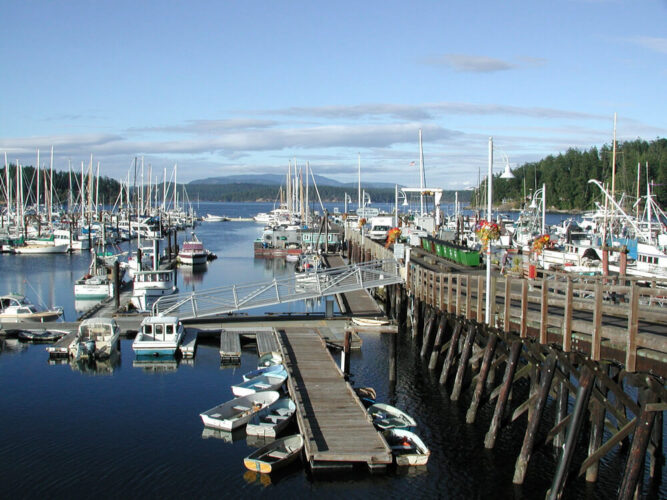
565,176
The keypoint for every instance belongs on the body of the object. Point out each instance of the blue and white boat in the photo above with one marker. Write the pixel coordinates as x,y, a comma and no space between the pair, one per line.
270,421
158,336
266,370
268,382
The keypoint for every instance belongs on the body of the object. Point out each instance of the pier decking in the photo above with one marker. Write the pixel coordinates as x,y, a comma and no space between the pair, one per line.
336,428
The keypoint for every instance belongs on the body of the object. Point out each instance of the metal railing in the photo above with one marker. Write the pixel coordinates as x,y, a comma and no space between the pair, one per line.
291,288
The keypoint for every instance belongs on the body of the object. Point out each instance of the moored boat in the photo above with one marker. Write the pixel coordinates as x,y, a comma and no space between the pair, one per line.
192,253
407,447
270,421
236,412
150,286
263,371
96,338
16,308
388,417
275,455
267,382
269,359
158,336
36,248
215,218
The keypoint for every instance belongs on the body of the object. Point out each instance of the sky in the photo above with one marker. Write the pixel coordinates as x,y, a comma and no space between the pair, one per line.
232,87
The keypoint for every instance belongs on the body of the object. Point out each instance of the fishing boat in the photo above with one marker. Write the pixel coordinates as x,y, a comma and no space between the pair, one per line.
96,339
16,308
158,336
267,382
270,359
97,283
236,412
388,417
150,286
192,253
407,447
266,370
270,421
275,455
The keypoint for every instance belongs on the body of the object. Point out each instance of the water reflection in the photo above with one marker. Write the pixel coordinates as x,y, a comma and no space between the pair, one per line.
253,477
85,305
90,365
155,364
226,436
193,274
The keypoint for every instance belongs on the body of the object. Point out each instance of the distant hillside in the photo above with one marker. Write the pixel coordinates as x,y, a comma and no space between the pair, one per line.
279,180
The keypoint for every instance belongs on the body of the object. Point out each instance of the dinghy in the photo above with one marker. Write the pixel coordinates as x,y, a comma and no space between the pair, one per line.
267,370
236,413
270,421
275,455
267,382
269,359
407,447
387,417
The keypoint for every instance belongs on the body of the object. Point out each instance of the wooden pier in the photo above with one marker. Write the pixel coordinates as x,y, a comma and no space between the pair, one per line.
597,346
336,428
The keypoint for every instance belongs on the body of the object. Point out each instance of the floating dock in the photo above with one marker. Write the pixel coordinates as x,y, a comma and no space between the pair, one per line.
336,428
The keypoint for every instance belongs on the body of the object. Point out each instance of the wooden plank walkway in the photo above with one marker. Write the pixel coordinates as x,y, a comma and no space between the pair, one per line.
266,341
230,345
336,428
189,344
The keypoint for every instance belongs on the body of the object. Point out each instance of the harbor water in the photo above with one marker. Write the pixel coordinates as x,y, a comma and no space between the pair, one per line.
124,429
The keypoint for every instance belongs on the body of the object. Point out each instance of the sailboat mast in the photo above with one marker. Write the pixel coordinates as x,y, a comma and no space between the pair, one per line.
422,180
51,188
613,163
639,167
359,187
37,183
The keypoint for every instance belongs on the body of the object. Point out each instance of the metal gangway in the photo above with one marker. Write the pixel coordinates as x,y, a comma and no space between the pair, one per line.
292,288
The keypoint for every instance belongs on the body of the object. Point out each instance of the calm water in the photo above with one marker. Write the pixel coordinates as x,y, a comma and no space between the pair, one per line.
125,430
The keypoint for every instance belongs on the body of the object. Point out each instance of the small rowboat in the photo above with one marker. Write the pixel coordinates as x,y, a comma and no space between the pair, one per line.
370,321
269,421
267,382
275,455
267,370
388,417
269,359
407,447
236,413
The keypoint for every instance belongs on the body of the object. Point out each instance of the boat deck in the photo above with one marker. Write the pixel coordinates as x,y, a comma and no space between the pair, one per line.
336,428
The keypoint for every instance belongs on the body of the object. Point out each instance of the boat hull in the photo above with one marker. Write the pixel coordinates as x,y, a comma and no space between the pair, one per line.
236,413
275,455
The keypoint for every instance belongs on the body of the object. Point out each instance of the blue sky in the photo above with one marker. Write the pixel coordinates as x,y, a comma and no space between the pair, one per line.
231,87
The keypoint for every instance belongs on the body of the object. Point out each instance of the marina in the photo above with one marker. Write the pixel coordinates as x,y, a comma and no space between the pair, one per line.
338,432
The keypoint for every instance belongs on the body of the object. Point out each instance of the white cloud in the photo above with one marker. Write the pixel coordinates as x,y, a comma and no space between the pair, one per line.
467,63
652,43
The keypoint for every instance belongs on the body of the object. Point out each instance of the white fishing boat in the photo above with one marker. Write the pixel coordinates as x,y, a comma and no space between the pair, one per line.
96,284
267,382
192,253
96,338
158,336
275,455
270,421
16,308
388,417
63,237
236,412
150,286
407,447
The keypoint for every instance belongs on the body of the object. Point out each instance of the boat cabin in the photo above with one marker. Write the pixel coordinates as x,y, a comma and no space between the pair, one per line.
160,327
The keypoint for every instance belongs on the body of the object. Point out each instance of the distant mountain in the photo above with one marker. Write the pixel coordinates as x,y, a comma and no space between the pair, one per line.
277,180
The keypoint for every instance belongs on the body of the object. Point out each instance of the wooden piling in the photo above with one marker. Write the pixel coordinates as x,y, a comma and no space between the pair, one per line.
453,346
437,344
635,465
539,403
586,381
463,362
429,331
115,276
596,432
489,351
490,438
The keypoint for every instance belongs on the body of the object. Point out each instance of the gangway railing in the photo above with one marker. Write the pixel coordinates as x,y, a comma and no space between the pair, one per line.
292,288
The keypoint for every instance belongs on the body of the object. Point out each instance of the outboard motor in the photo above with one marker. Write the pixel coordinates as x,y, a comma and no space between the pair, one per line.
90,348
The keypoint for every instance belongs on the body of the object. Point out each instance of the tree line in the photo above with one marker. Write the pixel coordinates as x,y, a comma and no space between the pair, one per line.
566,176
